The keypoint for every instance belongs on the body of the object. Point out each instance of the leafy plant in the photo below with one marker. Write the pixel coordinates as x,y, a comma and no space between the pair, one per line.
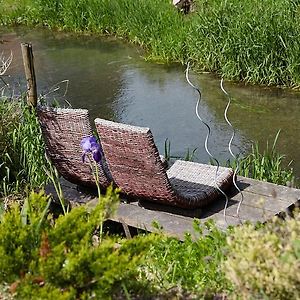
22,157
64,257
192,265
265,165
263,263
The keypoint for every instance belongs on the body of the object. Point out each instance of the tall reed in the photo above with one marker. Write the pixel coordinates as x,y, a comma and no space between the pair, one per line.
22,158
267,165
255,41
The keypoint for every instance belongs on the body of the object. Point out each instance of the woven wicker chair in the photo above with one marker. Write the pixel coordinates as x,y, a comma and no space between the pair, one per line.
63,130
136,168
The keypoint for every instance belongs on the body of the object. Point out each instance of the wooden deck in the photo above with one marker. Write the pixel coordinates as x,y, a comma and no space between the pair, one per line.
261,201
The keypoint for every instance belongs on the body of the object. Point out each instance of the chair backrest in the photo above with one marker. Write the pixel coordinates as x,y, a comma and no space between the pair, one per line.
63,130
133,160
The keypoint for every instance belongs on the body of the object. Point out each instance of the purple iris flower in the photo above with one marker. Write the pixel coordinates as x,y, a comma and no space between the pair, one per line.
90,145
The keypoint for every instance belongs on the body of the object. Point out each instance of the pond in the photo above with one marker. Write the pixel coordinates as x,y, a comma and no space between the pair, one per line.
113,81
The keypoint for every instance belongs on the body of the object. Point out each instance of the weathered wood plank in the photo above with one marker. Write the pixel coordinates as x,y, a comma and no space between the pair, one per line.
250,200
261,201
284,193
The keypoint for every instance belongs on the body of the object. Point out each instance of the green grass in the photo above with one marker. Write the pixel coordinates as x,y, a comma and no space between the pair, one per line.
255,41
191,265
267,165
22,153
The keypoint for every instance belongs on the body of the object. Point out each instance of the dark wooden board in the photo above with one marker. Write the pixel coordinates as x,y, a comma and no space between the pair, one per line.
261,201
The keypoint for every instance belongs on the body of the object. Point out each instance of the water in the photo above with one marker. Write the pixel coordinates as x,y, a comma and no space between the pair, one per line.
112,80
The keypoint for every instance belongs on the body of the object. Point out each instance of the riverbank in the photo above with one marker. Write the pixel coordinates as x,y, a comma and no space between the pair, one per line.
88,264
246,41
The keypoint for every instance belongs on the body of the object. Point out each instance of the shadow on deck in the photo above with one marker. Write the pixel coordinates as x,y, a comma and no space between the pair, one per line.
261,201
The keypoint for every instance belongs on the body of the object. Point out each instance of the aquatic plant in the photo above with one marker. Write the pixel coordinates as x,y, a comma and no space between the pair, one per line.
267,165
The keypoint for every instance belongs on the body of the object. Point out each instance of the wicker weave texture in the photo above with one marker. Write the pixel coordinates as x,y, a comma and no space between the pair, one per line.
136,168
196,183
63,130
133,160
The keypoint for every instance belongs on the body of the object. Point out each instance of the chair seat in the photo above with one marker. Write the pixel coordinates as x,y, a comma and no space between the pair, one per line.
192,180
136,167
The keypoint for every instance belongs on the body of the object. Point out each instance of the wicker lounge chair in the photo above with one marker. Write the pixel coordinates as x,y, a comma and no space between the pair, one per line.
63,130
136,168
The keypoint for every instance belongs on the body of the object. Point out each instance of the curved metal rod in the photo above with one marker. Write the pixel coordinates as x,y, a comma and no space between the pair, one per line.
208,134
232,154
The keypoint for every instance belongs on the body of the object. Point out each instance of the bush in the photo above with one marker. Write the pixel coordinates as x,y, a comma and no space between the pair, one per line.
264,263
63,257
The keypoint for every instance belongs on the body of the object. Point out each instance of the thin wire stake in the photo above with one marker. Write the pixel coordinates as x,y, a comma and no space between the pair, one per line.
207,136
231,153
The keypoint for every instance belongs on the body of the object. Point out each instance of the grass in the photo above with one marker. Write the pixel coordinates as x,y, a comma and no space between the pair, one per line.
192,265
21,149
253,41
267,165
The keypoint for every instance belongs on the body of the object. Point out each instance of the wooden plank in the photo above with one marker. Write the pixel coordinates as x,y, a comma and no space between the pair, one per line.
284,193
259,204
250,200
138,217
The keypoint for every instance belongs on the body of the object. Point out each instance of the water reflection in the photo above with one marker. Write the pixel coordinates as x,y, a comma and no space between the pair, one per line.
113,82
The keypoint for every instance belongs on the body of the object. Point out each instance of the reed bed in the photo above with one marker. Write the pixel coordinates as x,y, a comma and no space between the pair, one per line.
22,154
254,41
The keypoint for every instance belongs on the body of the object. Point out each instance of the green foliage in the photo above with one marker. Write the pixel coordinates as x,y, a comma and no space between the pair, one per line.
189,155
22,158
251,40
265,165
256,41
46,256
192,265
264,263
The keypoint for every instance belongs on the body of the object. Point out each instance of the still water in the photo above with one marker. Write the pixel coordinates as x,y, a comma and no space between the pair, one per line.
113,81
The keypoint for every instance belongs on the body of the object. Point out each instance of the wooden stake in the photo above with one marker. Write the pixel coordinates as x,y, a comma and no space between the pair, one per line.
29,73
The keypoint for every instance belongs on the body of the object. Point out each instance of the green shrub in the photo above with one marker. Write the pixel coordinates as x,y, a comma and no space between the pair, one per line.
264,263
64,257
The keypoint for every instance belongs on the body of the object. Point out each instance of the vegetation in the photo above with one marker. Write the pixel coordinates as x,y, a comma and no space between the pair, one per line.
22,157
256,41
43,257
267,165
263,263
192,265
70,256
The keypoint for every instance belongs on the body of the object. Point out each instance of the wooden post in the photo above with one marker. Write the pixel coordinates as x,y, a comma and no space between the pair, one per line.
29,74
